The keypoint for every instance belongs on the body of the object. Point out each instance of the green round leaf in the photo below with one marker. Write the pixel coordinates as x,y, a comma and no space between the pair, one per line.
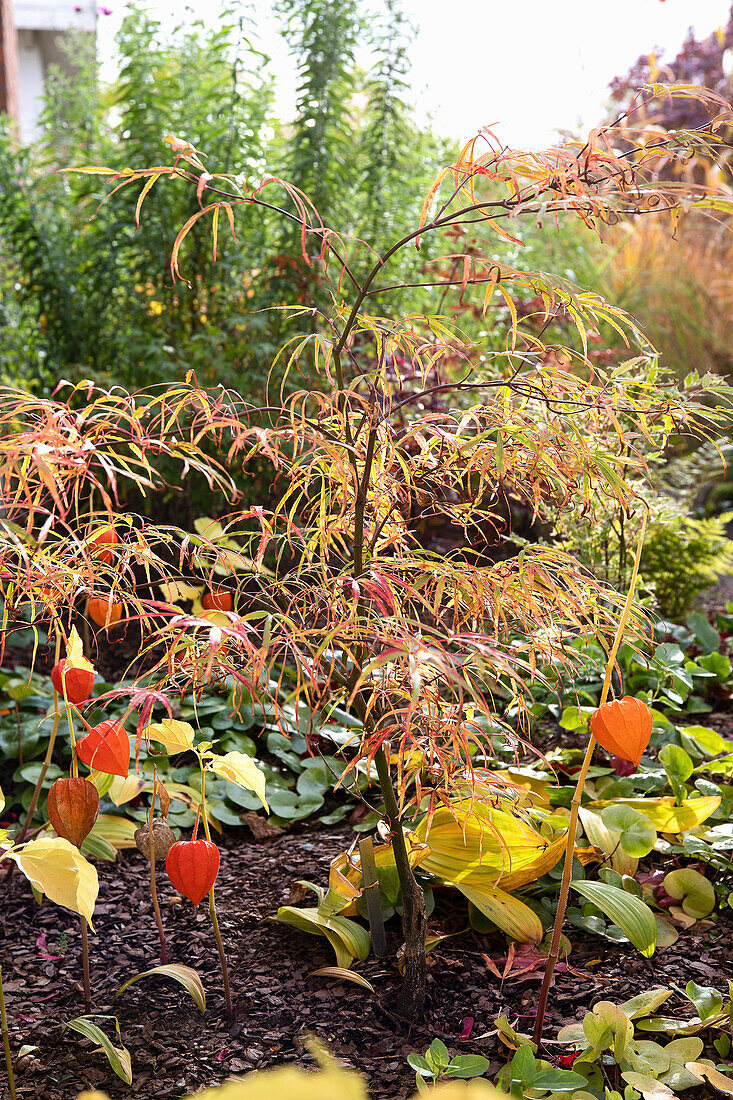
638,837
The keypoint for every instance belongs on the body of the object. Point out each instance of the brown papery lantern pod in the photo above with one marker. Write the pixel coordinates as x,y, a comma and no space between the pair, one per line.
623,727
73,805
73,679
163,839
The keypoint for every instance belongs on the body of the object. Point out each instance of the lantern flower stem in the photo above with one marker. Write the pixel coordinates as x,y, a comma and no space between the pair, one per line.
575,804
85,965
212,908
153,885
6,1039
47,758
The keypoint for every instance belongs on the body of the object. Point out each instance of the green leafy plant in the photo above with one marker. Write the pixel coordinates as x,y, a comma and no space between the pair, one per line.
437,1064
607,1050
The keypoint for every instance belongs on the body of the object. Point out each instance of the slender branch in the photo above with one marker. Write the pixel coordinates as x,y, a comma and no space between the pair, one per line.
575,804
6,1039
212,910
47,758
153,884
85,965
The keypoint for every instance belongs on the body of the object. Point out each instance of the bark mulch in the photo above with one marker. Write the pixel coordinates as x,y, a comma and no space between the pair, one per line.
176,1051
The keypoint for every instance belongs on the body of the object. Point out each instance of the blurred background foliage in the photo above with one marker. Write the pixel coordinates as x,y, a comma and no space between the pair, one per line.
89,297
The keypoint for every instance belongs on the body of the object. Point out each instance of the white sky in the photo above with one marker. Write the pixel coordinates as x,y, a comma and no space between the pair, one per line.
524,67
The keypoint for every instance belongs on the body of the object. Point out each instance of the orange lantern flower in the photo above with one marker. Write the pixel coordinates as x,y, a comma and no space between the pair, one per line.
104,613
73,805
73,679
218,600
623,727
107,748
101,540
192,866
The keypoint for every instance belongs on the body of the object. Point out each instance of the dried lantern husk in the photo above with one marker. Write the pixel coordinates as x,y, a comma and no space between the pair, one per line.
163,839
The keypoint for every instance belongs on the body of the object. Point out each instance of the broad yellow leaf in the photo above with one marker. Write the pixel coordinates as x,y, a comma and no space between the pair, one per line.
175,736
507,912
483,846
348,939
176,591
665,815
58,869
117,831
241,769
123,789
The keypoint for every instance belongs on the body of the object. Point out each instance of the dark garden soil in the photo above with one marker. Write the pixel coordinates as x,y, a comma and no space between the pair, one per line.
175,1050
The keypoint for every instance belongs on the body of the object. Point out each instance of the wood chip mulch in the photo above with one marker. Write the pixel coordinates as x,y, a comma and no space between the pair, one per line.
176,1051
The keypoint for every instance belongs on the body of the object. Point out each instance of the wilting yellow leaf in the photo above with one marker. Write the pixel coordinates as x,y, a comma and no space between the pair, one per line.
507,912
664,815
482,845
241,769
344,879
175,736
348,939
342,975
58,869
709,1073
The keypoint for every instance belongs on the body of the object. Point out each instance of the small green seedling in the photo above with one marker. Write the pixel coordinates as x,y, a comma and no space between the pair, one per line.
437,1064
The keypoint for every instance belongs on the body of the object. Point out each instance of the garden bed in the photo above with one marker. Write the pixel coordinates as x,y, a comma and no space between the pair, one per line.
176,1051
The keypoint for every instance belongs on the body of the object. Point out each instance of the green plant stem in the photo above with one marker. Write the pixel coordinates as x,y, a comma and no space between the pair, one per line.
6,1039
575,804
20,740
47,758
414,918
85,965
72,738
153,885
212,911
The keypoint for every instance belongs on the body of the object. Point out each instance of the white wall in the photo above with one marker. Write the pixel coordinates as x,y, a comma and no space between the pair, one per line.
41,24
